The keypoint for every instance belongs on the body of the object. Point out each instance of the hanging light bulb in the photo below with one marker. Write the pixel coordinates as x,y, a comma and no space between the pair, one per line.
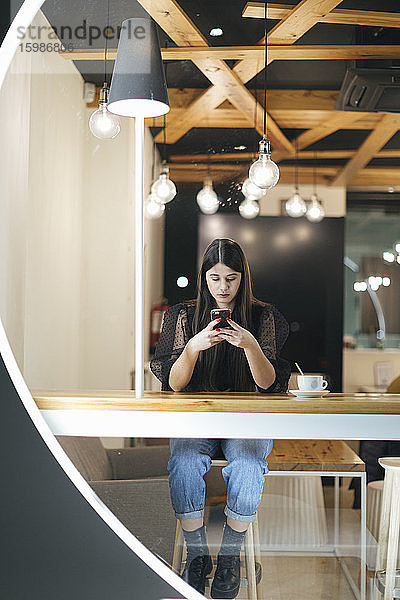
315,212
249,209
251,191
295,206
103,124
207,199
163,188
264,173
154,209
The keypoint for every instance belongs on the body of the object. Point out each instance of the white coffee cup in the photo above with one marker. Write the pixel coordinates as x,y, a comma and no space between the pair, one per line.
311,383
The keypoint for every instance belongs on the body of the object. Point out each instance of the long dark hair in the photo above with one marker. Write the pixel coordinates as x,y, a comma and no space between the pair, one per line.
229,253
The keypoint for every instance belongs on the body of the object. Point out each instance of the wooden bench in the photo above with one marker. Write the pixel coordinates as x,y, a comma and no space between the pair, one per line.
314,455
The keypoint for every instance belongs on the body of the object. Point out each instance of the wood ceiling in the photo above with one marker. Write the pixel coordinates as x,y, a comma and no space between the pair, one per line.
296,117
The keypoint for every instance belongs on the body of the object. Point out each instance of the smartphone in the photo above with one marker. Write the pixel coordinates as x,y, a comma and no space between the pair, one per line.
221,313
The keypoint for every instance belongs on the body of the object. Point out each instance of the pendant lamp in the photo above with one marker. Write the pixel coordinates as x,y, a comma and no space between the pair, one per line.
264,173
295,206
249,209
251,191
315,211
138,89
207,199
154,210
138,86
103,124
163,189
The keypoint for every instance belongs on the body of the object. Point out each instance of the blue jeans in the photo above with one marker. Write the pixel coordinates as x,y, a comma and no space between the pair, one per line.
191,459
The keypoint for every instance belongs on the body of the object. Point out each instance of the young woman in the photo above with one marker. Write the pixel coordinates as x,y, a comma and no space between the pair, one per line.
192,356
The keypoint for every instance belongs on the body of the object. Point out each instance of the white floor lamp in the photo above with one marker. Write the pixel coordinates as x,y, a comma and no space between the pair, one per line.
138,89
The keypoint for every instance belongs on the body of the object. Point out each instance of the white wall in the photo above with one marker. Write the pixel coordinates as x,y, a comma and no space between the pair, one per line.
108,252
14,166
333,199
359,367
66,237
53,332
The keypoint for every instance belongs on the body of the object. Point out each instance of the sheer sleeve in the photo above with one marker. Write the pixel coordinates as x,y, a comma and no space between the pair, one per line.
173,338
272,335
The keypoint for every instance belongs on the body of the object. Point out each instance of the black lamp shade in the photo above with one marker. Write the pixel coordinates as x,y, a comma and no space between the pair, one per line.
138,86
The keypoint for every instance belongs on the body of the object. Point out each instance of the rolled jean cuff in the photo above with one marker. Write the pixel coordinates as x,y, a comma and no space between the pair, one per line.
236,517
196,514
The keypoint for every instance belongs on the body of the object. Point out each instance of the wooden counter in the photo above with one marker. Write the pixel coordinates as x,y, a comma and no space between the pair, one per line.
165,414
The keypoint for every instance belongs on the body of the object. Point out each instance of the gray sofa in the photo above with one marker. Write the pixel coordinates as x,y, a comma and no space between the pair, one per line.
133,483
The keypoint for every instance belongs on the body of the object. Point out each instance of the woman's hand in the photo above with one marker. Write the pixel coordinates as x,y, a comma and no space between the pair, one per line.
238,336
206,338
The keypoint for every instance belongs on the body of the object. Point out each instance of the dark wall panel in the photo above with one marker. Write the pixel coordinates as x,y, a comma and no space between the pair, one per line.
181,235
298,266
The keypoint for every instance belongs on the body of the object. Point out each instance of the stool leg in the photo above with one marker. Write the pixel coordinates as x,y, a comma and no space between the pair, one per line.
256,535
257,553
336,512
393,538
384,524
363,536
178,548
250,563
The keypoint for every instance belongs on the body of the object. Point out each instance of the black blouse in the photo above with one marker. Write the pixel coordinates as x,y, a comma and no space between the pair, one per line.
269,328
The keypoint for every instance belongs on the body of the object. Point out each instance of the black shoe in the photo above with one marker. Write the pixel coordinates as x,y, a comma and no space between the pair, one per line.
226,581
196,571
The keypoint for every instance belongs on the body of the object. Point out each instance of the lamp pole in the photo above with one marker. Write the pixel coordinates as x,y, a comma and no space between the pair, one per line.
138,90
139,258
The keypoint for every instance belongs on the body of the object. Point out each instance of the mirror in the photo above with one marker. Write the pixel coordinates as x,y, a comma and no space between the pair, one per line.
67,244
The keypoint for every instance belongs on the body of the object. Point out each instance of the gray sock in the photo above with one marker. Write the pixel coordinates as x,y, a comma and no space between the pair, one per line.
231,541
196,543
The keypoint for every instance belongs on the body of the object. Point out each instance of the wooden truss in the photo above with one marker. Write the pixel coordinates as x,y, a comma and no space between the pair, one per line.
228,103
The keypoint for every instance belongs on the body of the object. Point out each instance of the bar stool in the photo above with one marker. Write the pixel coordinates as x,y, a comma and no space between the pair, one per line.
251,547
388,580
374,502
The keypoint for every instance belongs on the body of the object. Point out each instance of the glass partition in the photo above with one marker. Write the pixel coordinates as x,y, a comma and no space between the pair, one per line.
67,303
371,317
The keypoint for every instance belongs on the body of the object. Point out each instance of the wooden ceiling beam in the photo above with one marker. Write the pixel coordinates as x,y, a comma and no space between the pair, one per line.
293,26
292,101
383,132
232,118
324,52
316,107
184,173
183,32
241,156
337,16
300,19
333,123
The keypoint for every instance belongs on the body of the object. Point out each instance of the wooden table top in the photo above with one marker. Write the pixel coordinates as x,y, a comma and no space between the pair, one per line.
122,400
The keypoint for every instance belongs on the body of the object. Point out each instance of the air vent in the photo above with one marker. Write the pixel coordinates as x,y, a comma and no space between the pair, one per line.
370,90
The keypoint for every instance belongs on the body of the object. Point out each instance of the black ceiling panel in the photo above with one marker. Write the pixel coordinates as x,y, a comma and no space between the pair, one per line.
343,139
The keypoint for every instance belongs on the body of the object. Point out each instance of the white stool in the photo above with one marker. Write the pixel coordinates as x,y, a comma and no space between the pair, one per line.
388,580
374,501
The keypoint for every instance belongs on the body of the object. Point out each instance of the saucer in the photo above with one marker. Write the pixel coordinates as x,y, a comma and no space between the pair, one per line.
309,394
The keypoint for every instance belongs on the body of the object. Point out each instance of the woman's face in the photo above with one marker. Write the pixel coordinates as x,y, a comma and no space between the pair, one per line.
223,284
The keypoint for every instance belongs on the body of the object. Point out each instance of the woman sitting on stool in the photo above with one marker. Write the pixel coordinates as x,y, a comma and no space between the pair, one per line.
195,355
